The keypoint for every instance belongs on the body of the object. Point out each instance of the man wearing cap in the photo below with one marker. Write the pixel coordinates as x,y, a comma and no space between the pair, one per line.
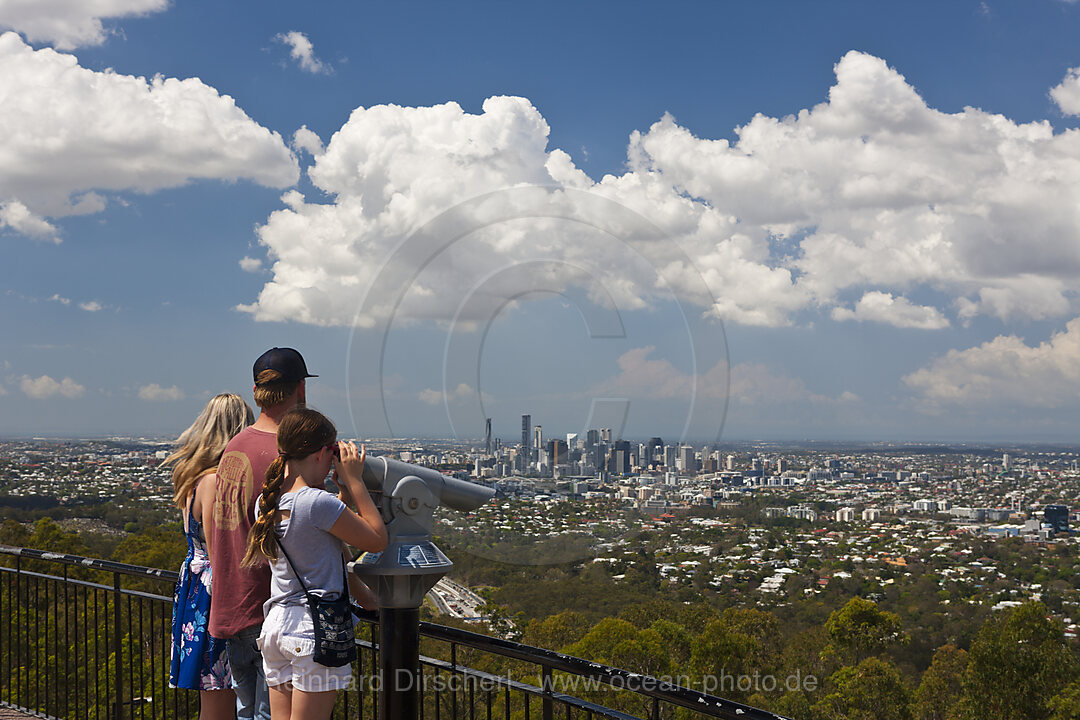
239,593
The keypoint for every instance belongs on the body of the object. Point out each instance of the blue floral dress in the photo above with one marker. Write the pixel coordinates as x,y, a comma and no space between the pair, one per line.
199,661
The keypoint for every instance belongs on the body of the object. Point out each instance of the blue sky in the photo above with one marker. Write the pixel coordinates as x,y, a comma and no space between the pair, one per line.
840,220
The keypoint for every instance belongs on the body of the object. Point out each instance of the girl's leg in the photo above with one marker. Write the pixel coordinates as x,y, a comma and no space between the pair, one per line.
281,701
312,705
217,705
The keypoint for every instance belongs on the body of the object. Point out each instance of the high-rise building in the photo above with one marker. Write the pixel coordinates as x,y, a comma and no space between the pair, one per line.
655,451
687,461
605,435
558,451
487,436
1058,518
538,437
730,462
1006,462
526,436
592,448
619,462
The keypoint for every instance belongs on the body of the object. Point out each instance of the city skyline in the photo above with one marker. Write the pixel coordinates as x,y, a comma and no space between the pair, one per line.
837,223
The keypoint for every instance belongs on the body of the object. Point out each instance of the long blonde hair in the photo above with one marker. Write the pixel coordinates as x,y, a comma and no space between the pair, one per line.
302,432
199,448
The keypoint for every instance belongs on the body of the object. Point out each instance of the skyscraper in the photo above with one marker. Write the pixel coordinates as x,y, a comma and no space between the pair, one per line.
592,449
538,438
487,436
526,436
687,459
655,451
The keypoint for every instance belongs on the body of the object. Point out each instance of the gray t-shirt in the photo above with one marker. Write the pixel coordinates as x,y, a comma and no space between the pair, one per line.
305,535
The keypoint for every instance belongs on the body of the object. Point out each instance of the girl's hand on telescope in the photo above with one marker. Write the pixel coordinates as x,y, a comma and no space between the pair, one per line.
350,463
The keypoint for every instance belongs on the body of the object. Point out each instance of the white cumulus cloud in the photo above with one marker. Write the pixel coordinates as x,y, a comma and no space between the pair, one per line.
91,306
250,264
62,300
68,24
437,397
18,217
880,191
876,306
871,191
307,140
45,387
155,393
1067,94
69,130
1005,369
302,51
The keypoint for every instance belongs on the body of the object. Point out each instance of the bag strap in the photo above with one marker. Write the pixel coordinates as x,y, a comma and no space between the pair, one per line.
311,598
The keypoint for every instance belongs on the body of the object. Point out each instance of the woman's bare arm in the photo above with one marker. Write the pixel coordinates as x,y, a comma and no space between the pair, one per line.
203,507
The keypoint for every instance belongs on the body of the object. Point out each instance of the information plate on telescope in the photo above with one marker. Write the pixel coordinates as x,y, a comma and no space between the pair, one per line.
425,555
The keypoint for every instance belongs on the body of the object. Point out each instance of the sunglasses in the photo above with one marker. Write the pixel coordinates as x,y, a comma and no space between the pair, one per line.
334,448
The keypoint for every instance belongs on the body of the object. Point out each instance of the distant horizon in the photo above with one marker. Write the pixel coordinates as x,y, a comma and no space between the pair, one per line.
977,444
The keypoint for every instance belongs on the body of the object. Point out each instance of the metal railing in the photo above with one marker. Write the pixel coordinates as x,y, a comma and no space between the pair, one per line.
85,638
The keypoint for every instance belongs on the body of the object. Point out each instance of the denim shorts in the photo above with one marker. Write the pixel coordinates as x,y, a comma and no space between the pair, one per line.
287,642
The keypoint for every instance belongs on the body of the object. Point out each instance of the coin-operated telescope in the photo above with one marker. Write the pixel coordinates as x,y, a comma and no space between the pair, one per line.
410,565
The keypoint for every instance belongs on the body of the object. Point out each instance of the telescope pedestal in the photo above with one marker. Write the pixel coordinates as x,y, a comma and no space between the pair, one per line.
400,576
399,663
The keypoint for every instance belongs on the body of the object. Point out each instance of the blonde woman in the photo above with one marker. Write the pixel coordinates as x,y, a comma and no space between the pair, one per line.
300,529
199,661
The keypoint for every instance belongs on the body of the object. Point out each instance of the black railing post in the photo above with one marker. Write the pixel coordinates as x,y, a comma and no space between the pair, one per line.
547,705
453,683
118,708
18,696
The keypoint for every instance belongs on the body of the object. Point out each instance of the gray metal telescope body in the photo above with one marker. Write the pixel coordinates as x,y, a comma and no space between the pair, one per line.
411,564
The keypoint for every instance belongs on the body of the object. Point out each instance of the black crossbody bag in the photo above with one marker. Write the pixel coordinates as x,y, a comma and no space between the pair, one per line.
335,643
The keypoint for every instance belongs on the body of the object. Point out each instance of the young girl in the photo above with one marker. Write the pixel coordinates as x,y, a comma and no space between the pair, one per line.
311,525
199,661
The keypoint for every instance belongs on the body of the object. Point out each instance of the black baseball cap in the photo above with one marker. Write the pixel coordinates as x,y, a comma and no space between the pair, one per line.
288,362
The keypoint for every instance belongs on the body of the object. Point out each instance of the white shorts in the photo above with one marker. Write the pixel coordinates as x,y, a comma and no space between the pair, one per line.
287,642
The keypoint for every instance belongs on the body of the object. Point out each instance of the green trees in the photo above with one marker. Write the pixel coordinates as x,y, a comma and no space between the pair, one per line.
861,629
871,690
1018,662
1066,704
941,687
557,631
